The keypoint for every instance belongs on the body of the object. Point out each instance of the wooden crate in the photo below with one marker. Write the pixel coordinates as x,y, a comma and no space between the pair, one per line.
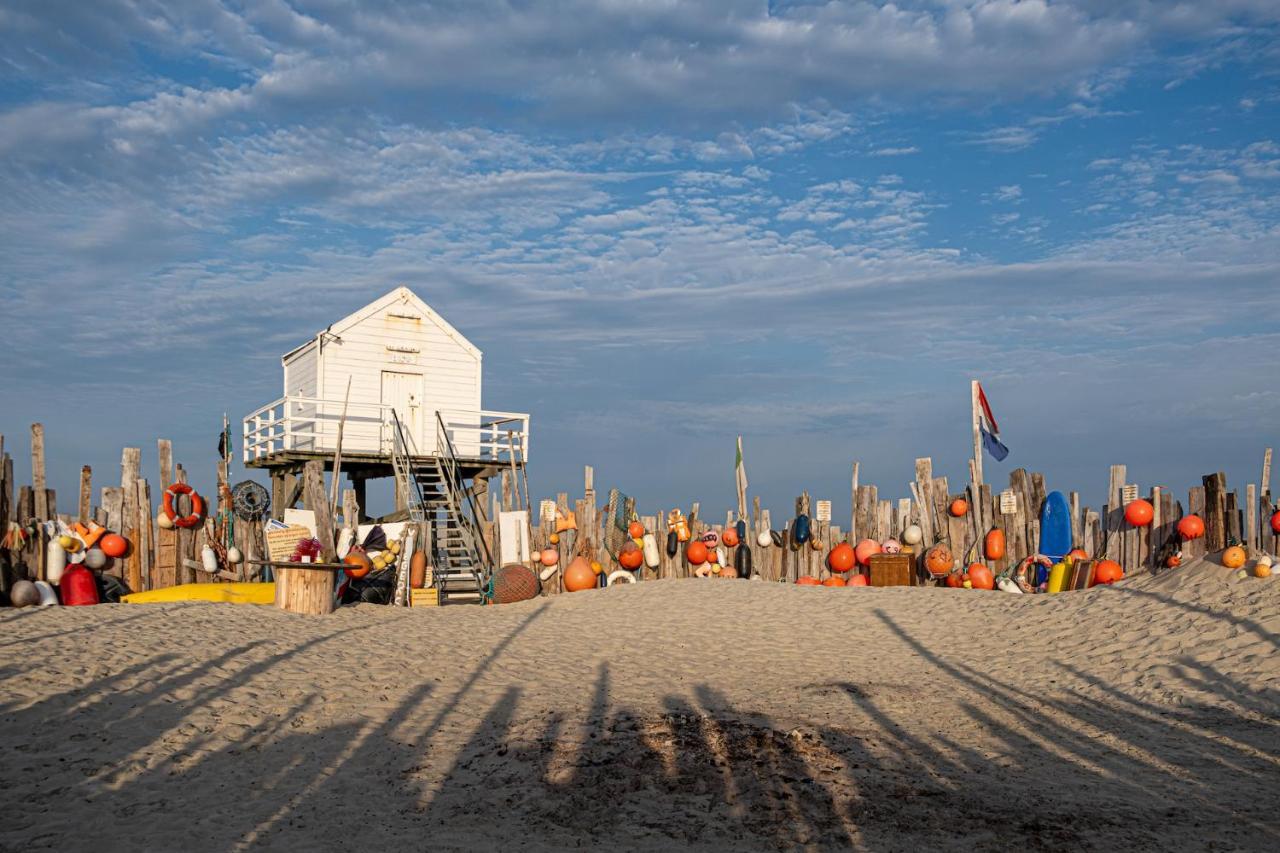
1081,574
892,570
423,598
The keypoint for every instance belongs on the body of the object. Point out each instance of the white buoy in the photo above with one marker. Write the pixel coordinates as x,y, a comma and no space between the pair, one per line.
55,562
48,598
651,557
234,556
164,522
209,559
345,539
764,540
94,558
913,534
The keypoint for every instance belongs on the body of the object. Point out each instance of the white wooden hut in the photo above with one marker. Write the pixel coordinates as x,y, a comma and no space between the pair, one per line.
395,364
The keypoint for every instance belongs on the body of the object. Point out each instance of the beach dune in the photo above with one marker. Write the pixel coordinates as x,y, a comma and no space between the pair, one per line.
680,714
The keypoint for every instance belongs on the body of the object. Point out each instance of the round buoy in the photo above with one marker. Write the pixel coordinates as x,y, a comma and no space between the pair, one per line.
515,582
1191,527
764,540
1139,513
891,546
913,535
696,553
858,579
48,596
959,507
842,558
866,549
24,594
1275,522
94,558
1107,572
114,545
549,557
808,580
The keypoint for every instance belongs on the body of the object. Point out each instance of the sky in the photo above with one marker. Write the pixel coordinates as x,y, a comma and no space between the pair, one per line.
665,224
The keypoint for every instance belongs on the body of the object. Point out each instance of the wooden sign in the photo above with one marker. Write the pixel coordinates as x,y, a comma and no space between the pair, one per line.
1008,502
1129,493
823,511
547,510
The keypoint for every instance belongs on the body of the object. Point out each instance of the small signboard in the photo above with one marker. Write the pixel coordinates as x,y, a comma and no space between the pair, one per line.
547,510
1128,493
823,512
1008,502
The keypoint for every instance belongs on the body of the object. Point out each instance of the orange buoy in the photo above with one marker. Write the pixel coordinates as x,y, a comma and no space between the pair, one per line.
729,538
635,530
1139,513
114,545
1191,527
834,580
1107,572
867,549
980,577
549,557
631,558
994,545
939,560
842,558
858,579
808,580
578,575
1078,554
357,563
1234,557
959,507
696,553
1275,522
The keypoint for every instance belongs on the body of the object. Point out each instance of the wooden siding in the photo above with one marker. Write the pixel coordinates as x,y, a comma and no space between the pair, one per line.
381,342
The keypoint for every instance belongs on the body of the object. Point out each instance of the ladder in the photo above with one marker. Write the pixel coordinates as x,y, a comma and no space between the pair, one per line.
434,489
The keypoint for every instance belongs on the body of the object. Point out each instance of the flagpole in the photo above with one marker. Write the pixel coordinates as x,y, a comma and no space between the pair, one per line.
974,408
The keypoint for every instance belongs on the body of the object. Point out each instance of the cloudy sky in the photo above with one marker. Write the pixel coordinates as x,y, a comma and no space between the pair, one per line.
665,223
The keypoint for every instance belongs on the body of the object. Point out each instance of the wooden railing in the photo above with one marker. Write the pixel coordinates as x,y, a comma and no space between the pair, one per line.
296,424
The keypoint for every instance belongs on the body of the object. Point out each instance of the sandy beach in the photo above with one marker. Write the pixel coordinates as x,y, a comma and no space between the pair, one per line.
689,714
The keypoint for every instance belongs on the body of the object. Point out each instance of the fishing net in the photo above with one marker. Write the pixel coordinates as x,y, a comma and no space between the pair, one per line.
619,514
250,500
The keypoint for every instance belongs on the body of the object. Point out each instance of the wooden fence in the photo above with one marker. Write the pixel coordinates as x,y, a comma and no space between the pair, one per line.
1102,532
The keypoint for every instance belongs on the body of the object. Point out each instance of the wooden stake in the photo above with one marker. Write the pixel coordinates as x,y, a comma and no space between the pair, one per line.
975,406
314,499
85,510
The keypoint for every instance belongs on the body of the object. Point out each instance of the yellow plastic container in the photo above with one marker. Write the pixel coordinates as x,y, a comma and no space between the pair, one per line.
1058,576
233,593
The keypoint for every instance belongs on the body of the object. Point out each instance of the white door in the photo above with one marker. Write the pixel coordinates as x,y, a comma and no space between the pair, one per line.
403,392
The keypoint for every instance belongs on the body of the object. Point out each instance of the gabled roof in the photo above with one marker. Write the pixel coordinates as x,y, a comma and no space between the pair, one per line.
410,301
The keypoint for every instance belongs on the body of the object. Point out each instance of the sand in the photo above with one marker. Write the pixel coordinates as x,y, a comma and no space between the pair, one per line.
683,714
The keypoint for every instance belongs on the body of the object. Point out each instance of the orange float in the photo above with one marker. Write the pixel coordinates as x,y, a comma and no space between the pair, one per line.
1191,527
980,577
114,545
1275,523
994,545
842,558
696,553
549,557
939,560
357,563
578,575
835,580
866,549
635,530
1234,557
858,579
959,507
171,502
631,558
1107,572
1078,554
729,538
955,580
808,580
1139,513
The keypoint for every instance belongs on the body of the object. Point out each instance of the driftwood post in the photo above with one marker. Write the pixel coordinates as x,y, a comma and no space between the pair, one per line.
315,499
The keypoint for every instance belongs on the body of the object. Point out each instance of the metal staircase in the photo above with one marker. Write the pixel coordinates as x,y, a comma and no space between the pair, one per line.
433,489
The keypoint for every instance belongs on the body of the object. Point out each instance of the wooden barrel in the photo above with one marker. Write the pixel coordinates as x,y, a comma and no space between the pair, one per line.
303,588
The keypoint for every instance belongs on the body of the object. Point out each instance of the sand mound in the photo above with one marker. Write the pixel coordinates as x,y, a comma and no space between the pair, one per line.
700,714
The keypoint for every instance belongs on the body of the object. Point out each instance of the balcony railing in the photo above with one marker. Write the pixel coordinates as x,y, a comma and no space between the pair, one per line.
295,424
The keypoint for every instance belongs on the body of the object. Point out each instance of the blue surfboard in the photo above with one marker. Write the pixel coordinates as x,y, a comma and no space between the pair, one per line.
1055,527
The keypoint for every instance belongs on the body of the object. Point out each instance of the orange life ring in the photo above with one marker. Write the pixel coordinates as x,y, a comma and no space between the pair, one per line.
197,505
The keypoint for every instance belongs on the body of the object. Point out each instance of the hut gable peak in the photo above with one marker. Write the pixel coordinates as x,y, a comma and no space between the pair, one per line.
403,300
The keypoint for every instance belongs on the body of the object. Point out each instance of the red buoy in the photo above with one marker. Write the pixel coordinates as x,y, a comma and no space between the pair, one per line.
78,587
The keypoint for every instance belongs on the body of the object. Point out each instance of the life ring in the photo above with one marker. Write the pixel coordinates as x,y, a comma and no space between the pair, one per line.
620,576
170,505
1021,575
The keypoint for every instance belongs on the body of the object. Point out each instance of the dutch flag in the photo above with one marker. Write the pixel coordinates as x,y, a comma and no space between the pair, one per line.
990,432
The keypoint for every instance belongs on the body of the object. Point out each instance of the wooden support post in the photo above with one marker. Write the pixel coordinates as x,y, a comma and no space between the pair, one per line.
1215,507
1114,510
130,462
315,499
358,485
85,510
1195,548
975,407
144,541
1265,485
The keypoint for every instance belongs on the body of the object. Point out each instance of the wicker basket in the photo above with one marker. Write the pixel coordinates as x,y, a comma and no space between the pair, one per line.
280,543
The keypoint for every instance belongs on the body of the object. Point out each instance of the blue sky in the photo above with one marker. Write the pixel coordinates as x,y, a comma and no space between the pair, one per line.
665,224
